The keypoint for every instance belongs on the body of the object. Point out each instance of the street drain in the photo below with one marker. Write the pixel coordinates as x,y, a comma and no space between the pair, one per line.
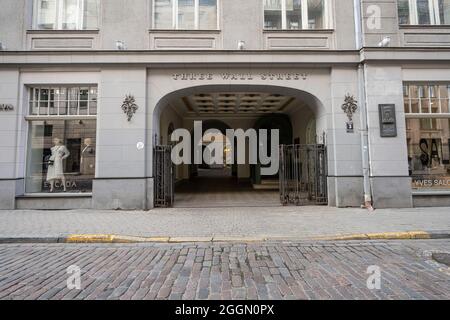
443,258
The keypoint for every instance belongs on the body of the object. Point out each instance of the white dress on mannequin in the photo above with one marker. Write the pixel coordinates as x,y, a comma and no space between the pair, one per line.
56,171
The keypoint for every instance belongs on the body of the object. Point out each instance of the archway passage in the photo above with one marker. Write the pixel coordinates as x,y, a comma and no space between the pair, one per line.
233,185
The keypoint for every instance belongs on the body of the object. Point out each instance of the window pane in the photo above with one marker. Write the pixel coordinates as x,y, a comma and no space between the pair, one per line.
53,105
186,14
73,101
423,12
45,14
61,156
294,14
444,11
316,14
406,99
62,98
43,101
272,14
403,12
434,95
208,14
424,93
445,98
90,14
71,14
163,14
428,153
84,96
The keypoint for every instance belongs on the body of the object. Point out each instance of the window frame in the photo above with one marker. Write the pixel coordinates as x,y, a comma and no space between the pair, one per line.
59,14
328,17
31,90
175,22
433,6
428,96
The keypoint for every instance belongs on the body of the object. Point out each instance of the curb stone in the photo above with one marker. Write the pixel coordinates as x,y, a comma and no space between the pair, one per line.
109,238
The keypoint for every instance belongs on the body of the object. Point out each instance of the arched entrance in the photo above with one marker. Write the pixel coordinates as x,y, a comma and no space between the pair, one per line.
235,107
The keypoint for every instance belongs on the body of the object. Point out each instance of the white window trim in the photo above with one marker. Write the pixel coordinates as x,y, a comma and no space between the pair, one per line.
435,18
175,24
48,116
328,9
59,13
430,114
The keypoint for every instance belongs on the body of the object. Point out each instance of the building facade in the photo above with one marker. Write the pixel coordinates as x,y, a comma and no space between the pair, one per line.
89,88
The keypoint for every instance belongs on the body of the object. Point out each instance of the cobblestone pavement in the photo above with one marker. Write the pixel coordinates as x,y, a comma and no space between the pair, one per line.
279,270
261,222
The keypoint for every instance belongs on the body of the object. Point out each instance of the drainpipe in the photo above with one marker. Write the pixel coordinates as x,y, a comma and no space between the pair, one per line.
363,119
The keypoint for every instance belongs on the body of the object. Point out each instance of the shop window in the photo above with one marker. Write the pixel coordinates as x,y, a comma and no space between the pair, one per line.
428,153
62,140
424,12
65,14
428,135
296,14
185,14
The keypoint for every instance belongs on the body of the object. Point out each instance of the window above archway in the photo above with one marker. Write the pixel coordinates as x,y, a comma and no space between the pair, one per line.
297,14
185,14
65,14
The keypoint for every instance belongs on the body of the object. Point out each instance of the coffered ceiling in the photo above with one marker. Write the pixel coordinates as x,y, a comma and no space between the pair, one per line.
236,103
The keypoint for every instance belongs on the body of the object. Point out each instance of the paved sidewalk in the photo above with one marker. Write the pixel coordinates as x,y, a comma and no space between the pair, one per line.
280,270
258,222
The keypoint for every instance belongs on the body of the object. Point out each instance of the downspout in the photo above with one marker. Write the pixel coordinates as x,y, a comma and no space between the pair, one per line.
363,119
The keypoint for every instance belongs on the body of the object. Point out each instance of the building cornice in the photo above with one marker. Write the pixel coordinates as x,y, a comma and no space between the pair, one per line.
180,57
400,55
218,58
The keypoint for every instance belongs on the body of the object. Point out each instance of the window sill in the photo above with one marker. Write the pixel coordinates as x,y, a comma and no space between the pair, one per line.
298,31
183,31
45,31
424,26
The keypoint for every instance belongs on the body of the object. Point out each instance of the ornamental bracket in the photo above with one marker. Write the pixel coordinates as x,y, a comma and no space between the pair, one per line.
350,106
129,106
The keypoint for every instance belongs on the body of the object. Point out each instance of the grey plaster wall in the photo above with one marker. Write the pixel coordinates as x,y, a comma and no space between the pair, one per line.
131,20
388,156
13,23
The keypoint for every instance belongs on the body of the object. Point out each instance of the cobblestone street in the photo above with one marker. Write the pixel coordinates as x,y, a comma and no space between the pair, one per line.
278,270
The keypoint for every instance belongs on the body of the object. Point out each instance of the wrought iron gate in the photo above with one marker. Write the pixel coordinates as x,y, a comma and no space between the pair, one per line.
303,175
164,177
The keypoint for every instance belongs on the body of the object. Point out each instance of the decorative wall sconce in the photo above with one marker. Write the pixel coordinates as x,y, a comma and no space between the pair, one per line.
350,106
129,106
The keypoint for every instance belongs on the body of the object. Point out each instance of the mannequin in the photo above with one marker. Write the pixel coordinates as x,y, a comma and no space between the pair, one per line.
55,168
87,157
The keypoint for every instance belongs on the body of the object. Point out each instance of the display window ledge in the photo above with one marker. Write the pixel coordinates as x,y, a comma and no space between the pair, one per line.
431,192
56,195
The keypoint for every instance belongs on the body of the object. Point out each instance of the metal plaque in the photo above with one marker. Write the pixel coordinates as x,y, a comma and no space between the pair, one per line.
388,121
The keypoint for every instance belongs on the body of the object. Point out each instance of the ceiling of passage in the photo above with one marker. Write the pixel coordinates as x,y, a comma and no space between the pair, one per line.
236,103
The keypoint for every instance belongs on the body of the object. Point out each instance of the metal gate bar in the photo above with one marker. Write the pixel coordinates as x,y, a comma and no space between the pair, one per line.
164,177
303,175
